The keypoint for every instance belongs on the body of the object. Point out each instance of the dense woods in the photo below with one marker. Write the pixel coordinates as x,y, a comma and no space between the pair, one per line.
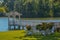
33,8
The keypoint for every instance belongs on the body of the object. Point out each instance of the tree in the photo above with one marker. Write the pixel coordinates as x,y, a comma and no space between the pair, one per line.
57,8
2,9
35,8
51,8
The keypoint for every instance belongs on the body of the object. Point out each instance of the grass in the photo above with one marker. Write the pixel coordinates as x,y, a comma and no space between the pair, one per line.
20,35
57,18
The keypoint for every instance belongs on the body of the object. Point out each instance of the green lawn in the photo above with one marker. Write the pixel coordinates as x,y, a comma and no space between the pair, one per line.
56,18
20,35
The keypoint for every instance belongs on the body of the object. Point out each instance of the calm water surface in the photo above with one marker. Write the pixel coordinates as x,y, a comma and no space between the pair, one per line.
4,23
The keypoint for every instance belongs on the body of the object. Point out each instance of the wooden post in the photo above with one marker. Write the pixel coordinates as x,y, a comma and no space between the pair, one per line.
14,27
9,27
22,27
19,27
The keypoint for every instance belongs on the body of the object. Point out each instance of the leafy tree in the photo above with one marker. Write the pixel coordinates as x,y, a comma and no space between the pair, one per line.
57,9
2,10
34,8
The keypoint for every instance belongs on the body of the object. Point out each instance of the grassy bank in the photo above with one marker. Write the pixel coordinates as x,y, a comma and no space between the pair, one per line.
20,35
56,18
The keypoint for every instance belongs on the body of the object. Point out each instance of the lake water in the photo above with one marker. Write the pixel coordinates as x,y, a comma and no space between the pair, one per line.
4,23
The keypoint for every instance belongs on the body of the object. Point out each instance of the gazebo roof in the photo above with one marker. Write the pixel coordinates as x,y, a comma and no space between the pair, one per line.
14,13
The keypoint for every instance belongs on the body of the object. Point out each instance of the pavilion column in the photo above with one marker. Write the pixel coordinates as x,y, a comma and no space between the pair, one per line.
19,27
9,27
22,27
19,23
14,22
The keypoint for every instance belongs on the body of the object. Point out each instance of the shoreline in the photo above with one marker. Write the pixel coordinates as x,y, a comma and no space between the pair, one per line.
56,18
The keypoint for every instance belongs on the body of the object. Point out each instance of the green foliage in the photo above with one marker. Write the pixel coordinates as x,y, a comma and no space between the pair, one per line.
34,8
44,26
50,25
28,27
2,9
38,27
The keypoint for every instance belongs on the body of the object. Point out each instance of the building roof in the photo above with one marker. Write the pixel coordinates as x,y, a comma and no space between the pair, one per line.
14,13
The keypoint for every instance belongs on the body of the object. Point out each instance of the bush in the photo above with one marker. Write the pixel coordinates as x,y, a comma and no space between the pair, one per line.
28,27
38,27
44,26
50,25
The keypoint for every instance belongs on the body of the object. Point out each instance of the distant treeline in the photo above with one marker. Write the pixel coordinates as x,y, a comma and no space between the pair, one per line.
34,8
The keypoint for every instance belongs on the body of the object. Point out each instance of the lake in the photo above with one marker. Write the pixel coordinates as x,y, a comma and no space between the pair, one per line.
4,23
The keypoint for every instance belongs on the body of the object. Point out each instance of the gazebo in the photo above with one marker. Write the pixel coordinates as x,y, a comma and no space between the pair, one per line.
14,20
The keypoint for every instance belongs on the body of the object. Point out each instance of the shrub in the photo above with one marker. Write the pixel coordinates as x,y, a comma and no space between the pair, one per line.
50,25
44,26
28,27
38,27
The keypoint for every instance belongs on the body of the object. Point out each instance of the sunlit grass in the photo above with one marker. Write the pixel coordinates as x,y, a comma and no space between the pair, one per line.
20,35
